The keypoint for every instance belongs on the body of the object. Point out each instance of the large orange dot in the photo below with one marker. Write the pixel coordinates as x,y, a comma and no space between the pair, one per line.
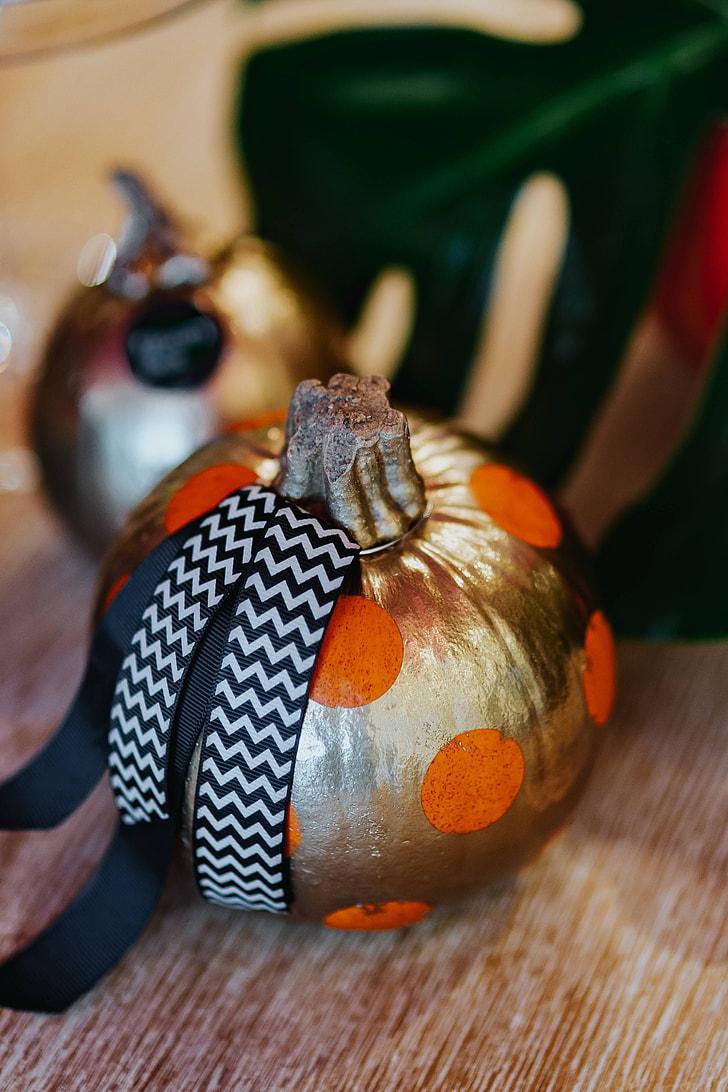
204,491
372,916
516,504
361,654
113,592
293,832
472,781
600,671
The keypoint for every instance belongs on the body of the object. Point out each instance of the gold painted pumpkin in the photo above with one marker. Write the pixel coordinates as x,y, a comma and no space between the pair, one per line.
455,707
178,343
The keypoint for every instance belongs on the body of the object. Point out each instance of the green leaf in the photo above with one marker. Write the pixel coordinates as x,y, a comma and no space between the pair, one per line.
663,568
368,148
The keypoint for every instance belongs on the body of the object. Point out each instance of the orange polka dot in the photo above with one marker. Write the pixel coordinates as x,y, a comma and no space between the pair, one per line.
263,420
516,504
600,672
472,781
114,591
372,916
202,492
293,832
361,654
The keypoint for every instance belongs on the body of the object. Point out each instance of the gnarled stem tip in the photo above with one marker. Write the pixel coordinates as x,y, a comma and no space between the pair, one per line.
151,250
148,220
348,449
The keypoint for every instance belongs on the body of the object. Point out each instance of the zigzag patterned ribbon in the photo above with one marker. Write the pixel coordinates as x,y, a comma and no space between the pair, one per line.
258,578
249,747
148,685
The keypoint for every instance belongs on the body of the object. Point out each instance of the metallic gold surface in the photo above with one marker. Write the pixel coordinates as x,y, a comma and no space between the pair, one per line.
493,632
105,438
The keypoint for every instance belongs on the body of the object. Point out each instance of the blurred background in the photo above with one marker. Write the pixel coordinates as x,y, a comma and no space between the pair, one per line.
157,97
514,208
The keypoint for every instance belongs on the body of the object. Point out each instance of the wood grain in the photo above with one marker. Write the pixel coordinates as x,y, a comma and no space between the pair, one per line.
605,965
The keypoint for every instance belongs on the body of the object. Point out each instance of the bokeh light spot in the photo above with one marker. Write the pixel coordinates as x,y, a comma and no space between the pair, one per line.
6,344
96,260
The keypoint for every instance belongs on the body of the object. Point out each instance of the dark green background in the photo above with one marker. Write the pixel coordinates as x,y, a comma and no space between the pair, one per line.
406,146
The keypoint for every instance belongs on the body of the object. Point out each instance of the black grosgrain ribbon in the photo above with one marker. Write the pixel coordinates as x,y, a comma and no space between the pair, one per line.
257,579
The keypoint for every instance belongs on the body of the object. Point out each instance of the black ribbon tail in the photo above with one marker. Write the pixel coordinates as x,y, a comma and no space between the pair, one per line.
92,935
58,779
253,643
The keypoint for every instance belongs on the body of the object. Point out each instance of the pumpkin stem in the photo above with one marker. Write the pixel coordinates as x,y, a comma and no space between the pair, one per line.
348,449
150,250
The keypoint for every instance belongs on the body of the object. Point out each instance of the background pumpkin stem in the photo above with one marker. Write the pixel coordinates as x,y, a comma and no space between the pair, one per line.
151,250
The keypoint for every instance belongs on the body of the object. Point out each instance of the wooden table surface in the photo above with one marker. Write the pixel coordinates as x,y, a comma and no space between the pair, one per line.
604,966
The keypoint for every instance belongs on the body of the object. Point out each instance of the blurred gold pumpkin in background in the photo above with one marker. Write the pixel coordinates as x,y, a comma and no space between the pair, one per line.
176,344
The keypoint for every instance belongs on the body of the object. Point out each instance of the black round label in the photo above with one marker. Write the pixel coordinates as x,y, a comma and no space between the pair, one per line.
173,344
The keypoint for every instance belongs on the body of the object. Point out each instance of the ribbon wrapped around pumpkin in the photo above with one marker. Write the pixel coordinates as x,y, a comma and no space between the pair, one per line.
456,694
214,637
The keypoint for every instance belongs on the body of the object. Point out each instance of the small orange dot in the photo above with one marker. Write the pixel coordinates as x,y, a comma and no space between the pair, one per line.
372,916
114,591
516,504
472,781
600,672
361,654
263,420
293,832
202,492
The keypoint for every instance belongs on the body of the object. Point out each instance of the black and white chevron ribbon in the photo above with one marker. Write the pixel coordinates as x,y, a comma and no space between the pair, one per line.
258,579
246,770
147,690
